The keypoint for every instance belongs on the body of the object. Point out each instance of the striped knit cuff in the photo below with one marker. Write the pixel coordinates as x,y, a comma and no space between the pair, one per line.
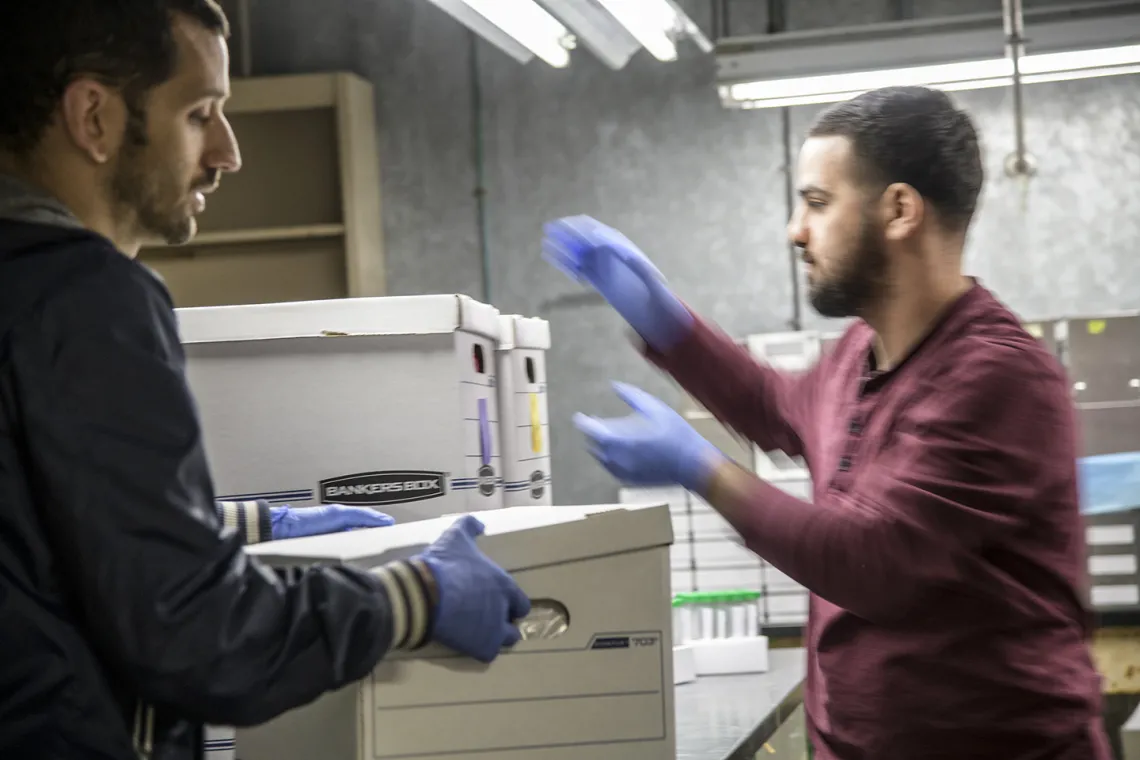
249,518
412,597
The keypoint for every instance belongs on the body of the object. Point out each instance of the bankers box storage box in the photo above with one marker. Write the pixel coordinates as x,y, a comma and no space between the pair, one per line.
523,343
382,402
592,677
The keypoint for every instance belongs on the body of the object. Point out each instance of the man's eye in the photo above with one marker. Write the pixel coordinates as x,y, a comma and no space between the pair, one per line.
200,117
816,204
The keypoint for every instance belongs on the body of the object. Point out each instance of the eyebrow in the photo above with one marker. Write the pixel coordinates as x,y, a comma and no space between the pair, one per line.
813,190
210,92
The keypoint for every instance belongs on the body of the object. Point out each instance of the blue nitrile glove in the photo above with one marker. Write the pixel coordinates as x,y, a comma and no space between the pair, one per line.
478,601
601,257
295,522
653,446
1109,482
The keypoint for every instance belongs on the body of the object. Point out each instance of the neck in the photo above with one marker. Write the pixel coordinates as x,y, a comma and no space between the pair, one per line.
908,314
90,208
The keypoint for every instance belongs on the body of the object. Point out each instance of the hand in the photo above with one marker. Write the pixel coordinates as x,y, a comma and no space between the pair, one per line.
653,446
295,522
603,258
478,601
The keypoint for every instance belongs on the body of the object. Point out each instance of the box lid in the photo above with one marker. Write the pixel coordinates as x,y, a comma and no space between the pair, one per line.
516,331
517,538
398,315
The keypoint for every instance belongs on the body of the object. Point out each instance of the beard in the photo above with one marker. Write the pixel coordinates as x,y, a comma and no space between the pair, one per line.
858,281
144,187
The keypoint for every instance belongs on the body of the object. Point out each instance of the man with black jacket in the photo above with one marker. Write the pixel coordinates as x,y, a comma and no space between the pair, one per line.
128,615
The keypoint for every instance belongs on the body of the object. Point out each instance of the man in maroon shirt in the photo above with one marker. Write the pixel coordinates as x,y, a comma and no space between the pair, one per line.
944,547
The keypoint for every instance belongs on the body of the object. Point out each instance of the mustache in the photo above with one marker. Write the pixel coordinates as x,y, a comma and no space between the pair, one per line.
210,182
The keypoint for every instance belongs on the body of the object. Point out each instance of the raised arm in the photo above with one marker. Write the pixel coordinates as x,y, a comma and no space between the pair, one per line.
766,406
982,457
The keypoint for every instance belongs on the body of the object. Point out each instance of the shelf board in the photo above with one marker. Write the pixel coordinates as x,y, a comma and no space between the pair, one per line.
260,235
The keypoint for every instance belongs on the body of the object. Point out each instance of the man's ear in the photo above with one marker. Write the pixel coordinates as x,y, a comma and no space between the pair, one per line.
94,118
903,210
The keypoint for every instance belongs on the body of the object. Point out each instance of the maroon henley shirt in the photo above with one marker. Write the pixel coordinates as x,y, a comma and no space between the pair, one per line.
944,549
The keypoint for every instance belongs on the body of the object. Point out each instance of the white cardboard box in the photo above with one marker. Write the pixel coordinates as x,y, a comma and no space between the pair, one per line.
681,553
521,355
603,689
381,402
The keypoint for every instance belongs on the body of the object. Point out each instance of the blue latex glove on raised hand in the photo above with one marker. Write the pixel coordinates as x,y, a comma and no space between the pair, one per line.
653,446
478,601
297,522
601,257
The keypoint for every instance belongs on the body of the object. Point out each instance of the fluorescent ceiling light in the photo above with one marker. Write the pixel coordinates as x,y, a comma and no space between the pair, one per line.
651,22
616,29
969,75
521,28
1093,39
597,30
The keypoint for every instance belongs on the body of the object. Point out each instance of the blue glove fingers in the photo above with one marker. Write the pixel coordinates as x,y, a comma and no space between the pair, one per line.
562,261
578,234
596,430
511,636
518,602
640,265
469,525
352,518
638,400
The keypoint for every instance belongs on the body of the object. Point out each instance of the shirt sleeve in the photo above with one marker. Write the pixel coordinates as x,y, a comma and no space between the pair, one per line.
251,519
171,603
983,455
766,406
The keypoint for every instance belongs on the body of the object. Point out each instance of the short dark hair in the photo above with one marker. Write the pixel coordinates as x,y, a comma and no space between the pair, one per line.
46,44
914,135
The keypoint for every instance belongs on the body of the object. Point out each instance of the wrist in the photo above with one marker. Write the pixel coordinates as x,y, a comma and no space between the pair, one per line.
675,328
699,469
413,601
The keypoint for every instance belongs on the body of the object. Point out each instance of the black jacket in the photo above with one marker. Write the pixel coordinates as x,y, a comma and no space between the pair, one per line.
128,615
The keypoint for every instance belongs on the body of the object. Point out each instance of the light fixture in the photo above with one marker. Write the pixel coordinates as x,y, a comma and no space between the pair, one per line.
521,28
597,30
651,22
964,53
615,29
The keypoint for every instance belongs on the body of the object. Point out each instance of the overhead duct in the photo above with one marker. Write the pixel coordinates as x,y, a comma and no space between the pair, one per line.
956,53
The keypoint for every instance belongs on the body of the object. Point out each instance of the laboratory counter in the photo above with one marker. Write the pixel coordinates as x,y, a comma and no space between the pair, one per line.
734,717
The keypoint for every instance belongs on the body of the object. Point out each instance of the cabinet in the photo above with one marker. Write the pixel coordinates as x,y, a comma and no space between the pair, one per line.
301,220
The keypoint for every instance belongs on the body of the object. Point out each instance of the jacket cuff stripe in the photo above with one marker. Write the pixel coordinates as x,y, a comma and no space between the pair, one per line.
398,605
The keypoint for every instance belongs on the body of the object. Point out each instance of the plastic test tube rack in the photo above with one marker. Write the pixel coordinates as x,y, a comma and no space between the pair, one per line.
718,633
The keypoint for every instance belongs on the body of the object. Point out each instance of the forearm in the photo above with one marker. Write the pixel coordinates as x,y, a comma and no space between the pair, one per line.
310,632
855,558
762,403
249,518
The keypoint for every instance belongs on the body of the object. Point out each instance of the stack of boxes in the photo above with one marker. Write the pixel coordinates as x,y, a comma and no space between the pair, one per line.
414,406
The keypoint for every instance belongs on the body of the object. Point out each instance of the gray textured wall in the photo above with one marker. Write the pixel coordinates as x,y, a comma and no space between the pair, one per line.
650,150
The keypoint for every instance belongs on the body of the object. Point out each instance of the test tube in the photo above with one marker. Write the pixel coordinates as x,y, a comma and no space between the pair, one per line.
708,615
739,614
682,620
722,604
753,620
